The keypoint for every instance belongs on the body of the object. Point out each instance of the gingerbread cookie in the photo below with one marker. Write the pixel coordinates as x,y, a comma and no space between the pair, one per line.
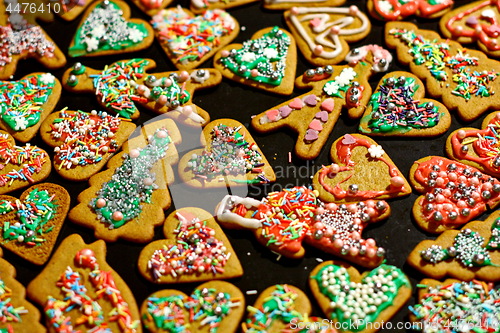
17,314
331,88
21,166
230,158
25,103
215,306
106,29
397,108
361,170
287,4
454,306
32,223
151,7
267,61
474,22
195,249
386,289
465,80
471,253
79,290
127,200
84,142
477,147
283,220
454,193
395,10
166,92
283,308
323,33
69,9
15,26
190,40
200,6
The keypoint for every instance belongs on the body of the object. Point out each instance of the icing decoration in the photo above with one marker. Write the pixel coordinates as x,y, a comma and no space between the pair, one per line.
106,29
188,38
283,220
76,297
21,101
392,10
152,4
228,155
120,199
342,153
356,304
260,60
456,306
195,251
454,193
325,30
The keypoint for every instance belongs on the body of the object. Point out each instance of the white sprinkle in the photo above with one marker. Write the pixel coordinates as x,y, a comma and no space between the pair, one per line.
251,292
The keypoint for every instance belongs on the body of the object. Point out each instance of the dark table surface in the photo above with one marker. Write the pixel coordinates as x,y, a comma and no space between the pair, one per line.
398,234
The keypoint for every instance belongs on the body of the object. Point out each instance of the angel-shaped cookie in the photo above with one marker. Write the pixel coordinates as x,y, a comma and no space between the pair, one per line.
313,115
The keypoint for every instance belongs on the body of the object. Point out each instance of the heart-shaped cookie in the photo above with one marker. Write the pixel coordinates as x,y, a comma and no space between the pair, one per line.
459,78
471,253
283,308
360,170
25,103
127,200
32,223
331,88
214,306
477,147
80,291
477,21
21,166
267,61
398,108
395,10
83,142
18,315
323,33
17,24
200,6
283,220
230,158
384,290
166,92
195,249
190,40
454,193
454,305
106,29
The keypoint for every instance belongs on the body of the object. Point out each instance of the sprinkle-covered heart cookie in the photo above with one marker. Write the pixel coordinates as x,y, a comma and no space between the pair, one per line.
106,29
128,199
466,254
359,302
21,166
396,10
214,306
25,103
190,40
124,83
78,290
465,80
478,147
283,220
283,308
453,193
84,142
195,249
32,223
360,170
267,61
331,88
323,33
397,108
230,158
